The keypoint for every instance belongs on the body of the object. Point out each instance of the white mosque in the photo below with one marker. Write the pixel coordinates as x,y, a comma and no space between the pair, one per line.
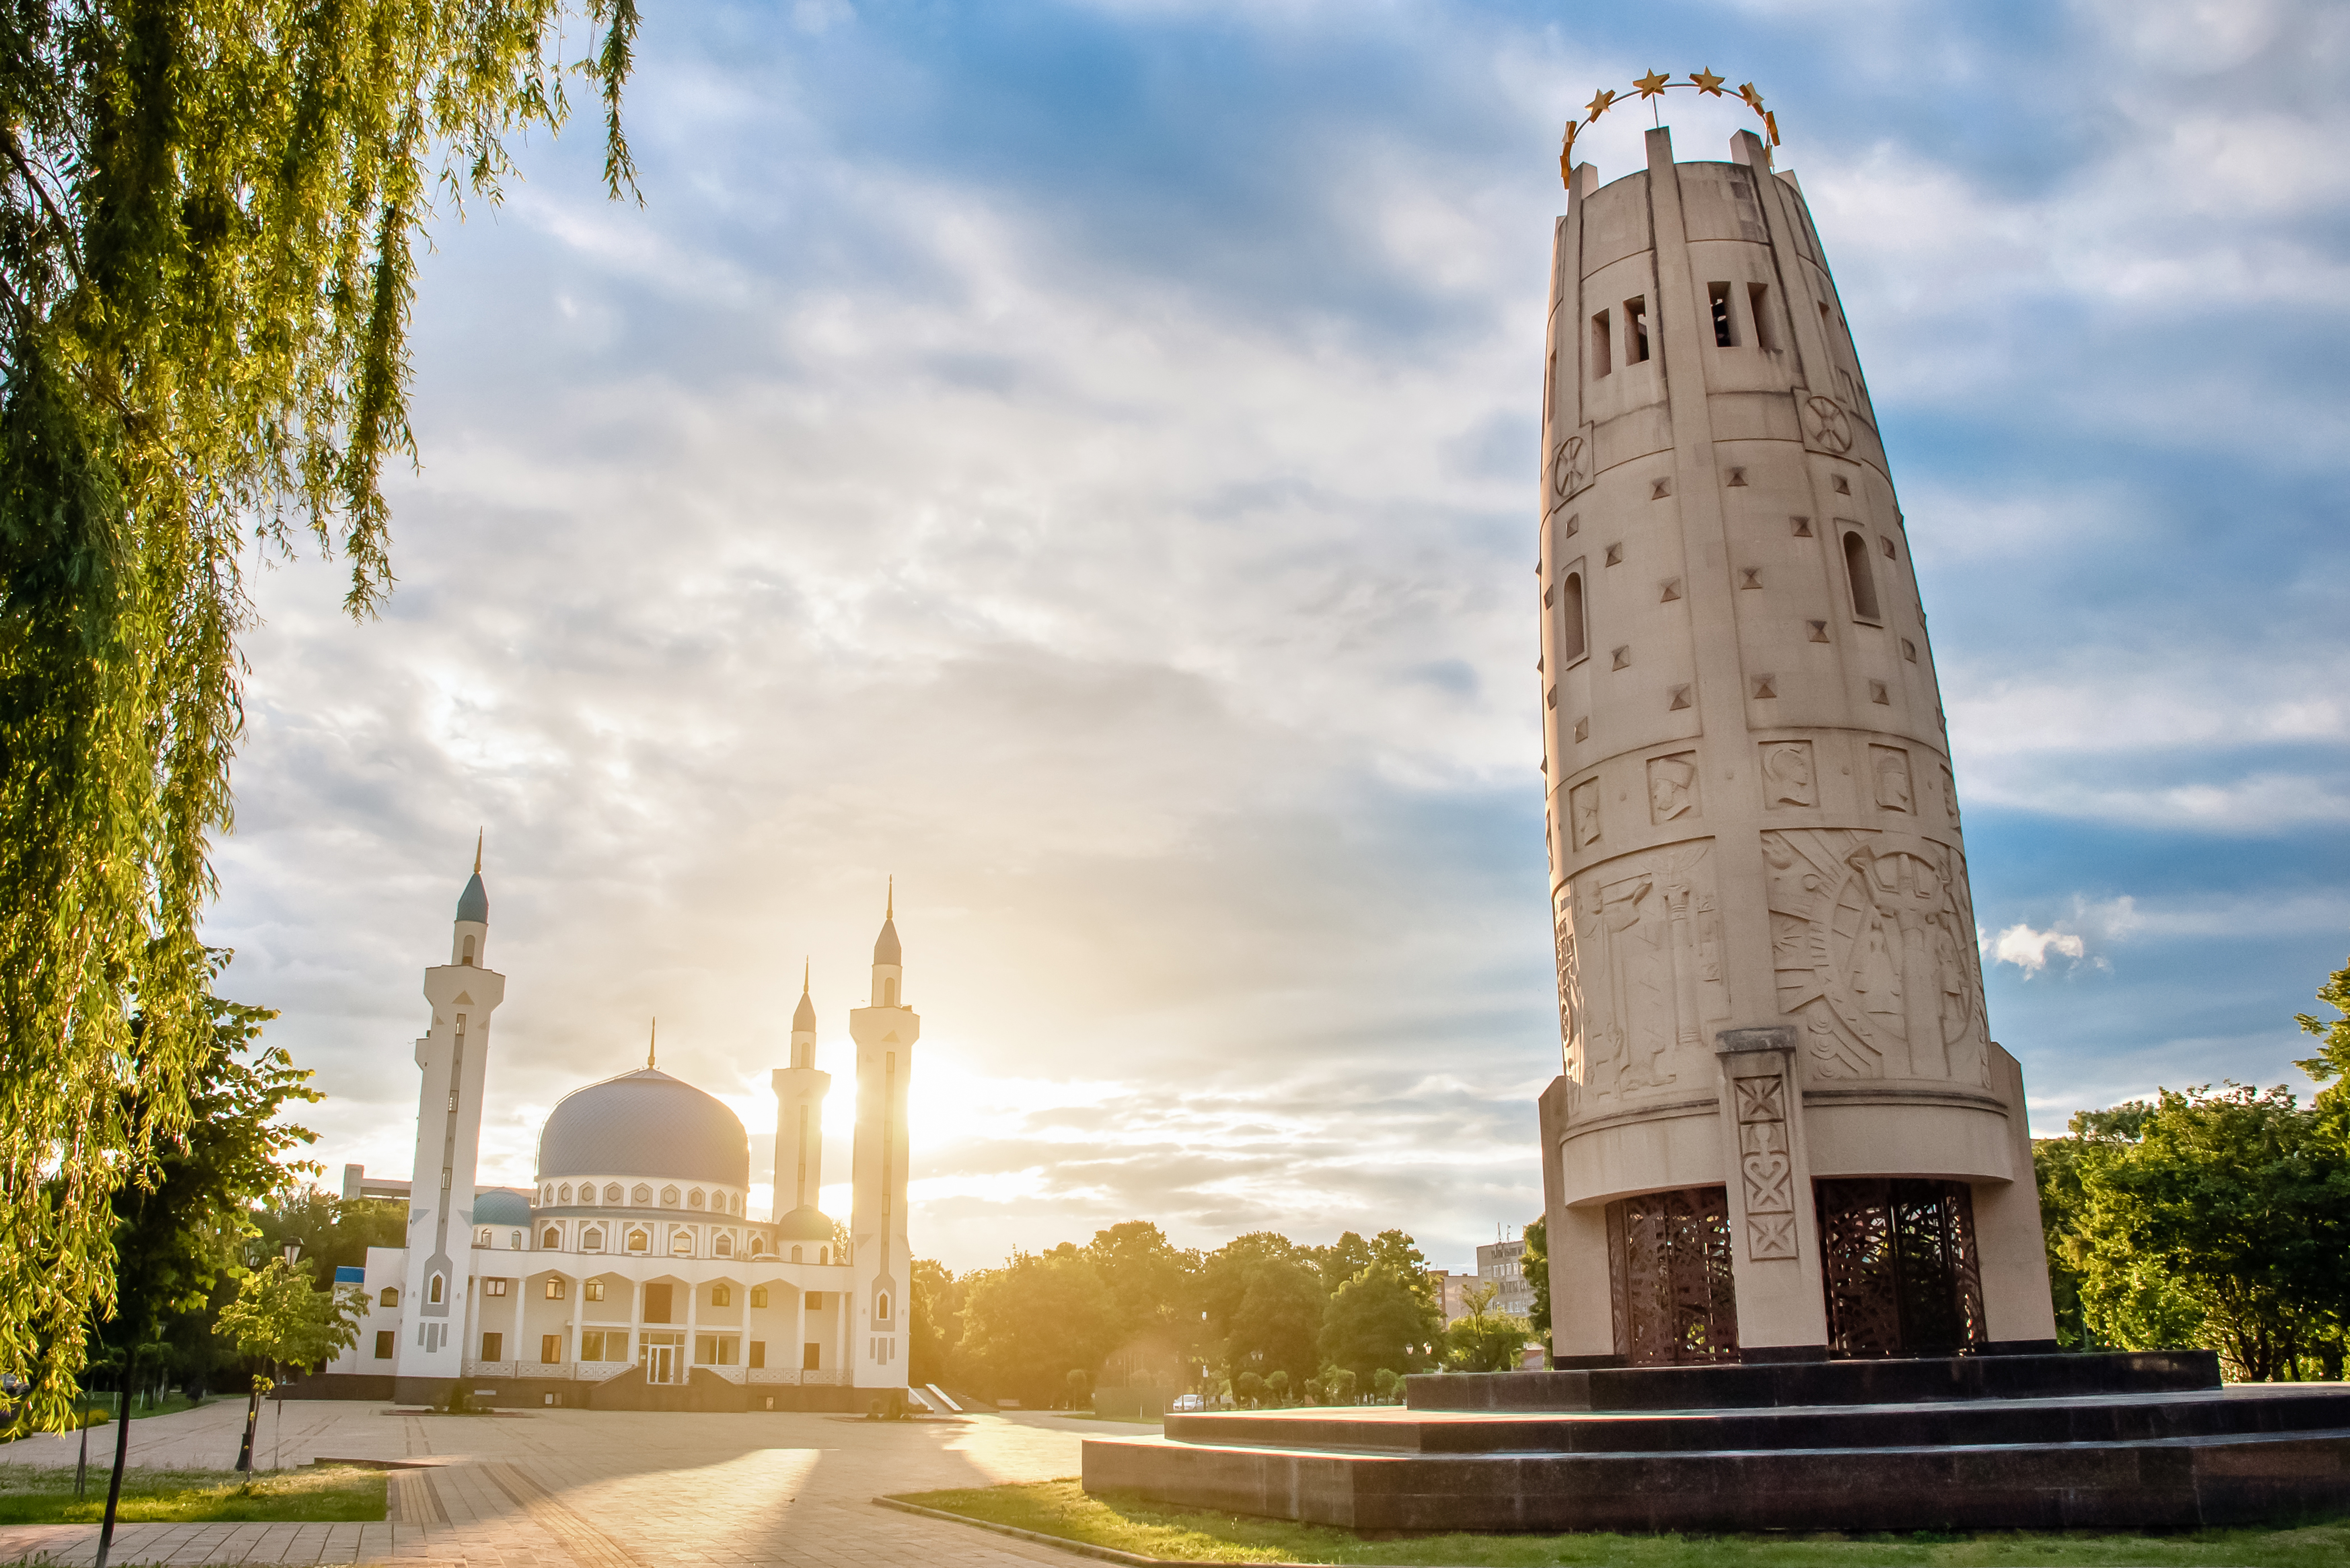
634,1275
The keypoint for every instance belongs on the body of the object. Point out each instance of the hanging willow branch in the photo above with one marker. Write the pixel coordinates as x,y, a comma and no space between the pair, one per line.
206,216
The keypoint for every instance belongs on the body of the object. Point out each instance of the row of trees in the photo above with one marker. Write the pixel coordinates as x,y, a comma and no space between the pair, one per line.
1261,1319
2210,1218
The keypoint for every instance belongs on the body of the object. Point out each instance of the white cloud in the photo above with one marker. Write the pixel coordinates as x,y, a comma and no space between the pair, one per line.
2028,949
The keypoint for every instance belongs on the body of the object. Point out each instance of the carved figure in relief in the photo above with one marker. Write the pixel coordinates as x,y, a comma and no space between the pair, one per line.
1570,985
1891,765
1787,777
1672,786
1950,796
1583,811
1648,970
1870,936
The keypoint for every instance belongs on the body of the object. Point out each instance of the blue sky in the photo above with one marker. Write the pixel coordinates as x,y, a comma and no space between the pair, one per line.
1080,459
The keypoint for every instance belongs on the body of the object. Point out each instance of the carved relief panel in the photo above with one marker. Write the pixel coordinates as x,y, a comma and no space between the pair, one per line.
1583,814
1642,938
1872,935
1570,984
1673,787
1889,766
1788,777
1766,1165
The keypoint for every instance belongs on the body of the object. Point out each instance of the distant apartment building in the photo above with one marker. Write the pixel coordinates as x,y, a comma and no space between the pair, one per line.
1451,1294
1502,1264
358,1183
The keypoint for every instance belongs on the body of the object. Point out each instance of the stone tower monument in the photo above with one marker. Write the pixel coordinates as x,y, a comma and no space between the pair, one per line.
1784,1131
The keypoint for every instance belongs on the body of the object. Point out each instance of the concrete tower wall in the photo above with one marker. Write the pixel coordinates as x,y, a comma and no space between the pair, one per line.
1767,966
881,1255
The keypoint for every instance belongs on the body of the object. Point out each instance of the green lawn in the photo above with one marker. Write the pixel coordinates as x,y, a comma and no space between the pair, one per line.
335,1494
1153,1530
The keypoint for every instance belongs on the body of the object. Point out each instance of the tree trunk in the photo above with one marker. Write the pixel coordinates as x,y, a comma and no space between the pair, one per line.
252,1419
121,1451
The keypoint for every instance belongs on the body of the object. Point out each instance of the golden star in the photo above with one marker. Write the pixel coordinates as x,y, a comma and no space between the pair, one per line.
1653,84
1599,102
1753,97
1706,81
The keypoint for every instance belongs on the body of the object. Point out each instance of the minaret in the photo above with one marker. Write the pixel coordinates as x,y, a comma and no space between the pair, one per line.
453,1056
800,1090
1784,1131
885,1034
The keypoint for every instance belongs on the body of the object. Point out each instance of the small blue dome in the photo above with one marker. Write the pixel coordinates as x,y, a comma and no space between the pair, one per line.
497,1205
474,903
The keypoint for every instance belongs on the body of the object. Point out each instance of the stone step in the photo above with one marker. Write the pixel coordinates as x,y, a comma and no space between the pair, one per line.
1858,1382
2243,1410
2170,1483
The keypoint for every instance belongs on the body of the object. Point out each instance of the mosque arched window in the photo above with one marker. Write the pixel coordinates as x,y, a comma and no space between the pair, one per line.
481,1237
725,1247
552,1242
611,1193
468,960
391,1296
721,1296
432,1292
882,1307
669,1197
795,1254
563,1193
640,1241
758,1246
758,1296
820,1254
513,1242
643,1197
593,1241
693,1199
681,1243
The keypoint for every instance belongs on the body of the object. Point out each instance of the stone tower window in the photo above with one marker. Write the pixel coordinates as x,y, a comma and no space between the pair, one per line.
391,1296
1725,331
1602,355
1572,640
882,1307
468,959
1758,305
1864,582
1636,331
433,1292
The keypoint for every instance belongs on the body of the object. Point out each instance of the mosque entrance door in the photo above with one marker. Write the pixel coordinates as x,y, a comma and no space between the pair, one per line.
660,1356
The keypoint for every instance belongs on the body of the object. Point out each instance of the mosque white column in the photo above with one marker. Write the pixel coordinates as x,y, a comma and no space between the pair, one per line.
453,1058
884,1032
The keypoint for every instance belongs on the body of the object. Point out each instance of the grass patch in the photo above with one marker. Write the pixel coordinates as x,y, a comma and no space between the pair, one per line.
333,1494
1129,1524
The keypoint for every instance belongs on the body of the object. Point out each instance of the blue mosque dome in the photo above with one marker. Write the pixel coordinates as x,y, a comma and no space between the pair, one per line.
498,1206
648,1124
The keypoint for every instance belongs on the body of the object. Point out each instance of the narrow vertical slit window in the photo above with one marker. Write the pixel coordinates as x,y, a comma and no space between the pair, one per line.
1602,348
1572,641
1550,384
1758,305
1864,582
1636,331
1725,332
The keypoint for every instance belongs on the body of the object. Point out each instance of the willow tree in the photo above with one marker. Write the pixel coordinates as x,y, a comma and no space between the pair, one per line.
208,213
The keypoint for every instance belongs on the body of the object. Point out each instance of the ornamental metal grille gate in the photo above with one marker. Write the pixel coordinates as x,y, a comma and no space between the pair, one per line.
1898,1264
1669,1267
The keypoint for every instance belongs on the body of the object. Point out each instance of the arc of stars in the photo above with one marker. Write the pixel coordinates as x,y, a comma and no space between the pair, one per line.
1653,86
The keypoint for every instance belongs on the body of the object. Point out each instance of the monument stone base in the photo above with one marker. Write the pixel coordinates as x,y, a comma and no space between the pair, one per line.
2022,1442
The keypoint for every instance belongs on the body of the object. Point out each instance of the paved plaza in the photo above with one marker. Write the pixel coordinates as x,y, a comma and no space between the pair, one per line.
585,1489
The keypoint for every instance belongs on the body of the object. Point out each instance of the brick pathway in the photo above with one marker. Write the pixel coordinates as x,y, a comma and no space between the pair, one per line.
582,1489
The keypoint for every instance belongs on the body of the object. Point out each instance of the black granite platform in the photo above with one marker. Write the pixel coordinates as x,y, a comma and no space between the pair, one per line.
2133,1442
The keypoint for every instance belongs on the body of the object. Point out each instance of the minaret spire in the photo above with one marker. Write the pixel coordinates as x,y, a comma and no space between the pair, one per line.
651,1040
479,834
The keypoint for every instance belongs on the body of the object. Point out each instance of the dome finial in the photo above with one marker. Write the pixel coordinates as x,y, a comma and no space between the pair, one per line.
808,967
478,835
889,907
652,1040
